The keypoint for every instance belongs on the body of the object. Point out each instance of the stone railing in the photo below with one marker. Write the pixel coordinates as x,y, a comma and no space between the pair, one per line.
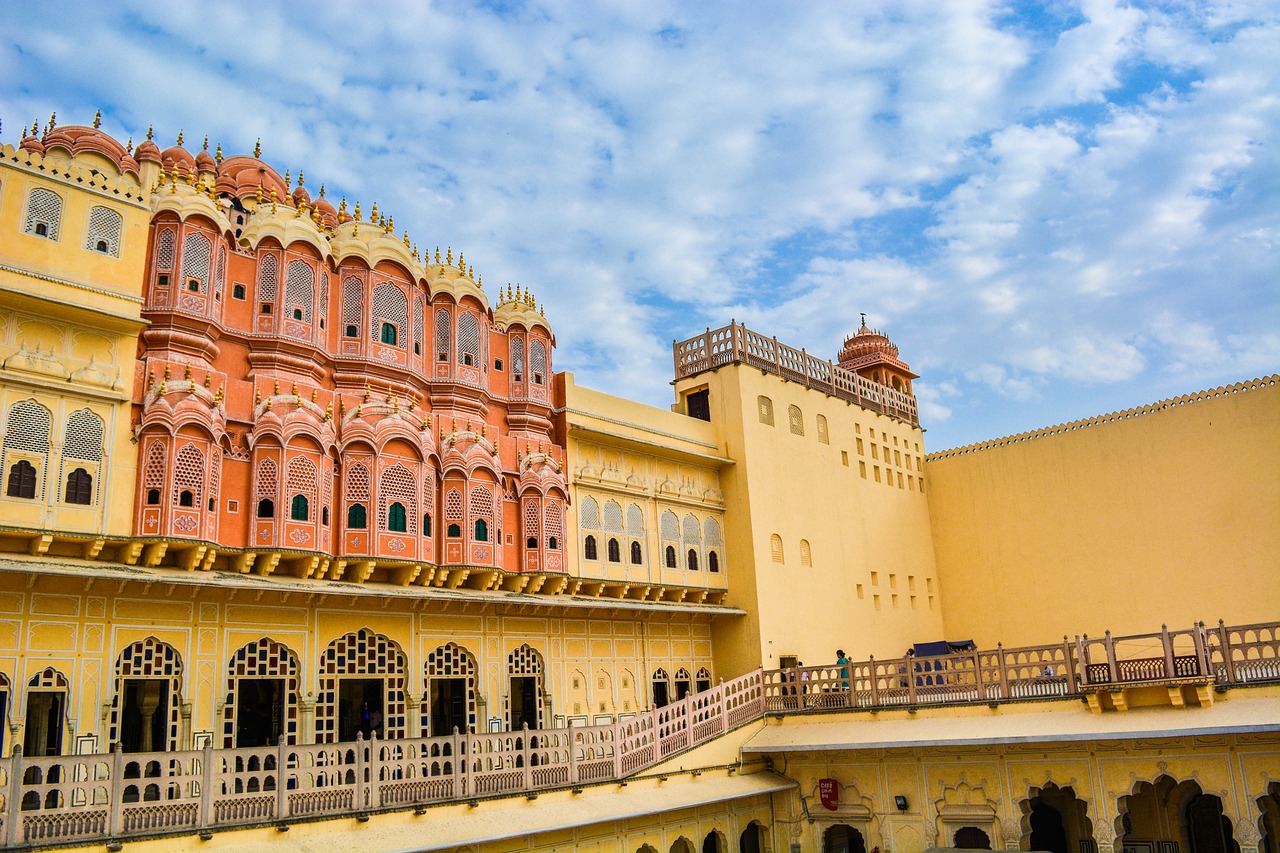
77,798
1222,655
736,344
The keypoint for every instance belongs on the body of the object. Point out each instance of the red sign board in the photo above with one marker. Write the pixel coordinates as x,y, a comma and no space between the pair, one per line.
829,793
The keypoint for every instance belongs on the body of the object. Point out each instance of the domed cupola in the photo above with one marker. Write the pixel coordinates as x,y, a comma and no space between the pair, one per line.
870,353
178,158
148,150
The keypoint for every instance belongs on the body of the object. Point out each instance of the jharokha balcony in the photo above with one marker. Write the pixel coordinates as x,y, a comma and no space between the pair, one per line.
58,800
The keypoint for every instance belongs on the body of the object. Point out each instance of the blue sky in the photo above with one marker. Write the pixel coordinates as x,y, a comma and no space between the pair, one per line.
1055,210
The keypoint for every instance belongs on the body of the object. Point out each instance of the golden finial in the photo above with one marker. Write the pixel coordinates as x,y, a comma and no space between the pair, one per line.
257,147
449,257
484,430
163,389
471,272
315,393
275,391
293,391
299,177
167,373
259,195
437,254
468,424
388,397
391,225
35,127
342,406
150,132
453,425
151,378
179,138
269,400
208,379
217,155
315,215
217,398
395,406
53,121
97,120
373,214
342,208
358,411
412,402
462,263
357,211
128,146
366,393
322,191
328,412
542,311
257,396
206,143
480,282
288,182
382,221
406,239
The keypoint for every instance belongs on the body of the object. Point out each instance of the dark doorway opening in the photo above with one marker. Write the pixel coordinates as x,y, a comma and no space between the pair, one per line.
682,688
1047,831
842,838
972,838
360,708
750,841
144,715
660,697
44,723
1208,829
524,702
259,709
448,707
698,405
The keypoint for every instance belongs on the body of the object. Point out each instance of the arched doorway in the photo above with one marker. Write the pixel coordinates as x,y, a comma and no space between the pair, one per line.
1168,812
1269,822
682,845
524,699
46,713
361,688
146,704
714,842
752,838
1054,819
843,838
971,838
661,688
451,691
262,695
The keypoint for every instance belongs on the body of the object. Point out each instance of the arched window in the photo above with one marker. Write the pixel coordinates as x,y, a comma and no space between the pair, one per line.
589,548
324,516
396,519
390,308
352,331
44,213
299,510
691,560
553,543
765,406
237,291
104,231
153,497
299,290
670,556
823,436
775,548
454,530
357,517
426,524
482,530
795,418
615,553
636,557
806,556
186,498
266,508
531,542
713,561
22,480
388,335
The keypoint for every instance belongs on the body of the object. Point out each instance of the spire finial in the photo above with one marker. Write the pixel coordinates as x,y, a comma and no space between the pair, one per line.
321,190
288,182
53,122
217,155
437,254
257,147
864,318
150,132
179,138
128,146
206,143
97,119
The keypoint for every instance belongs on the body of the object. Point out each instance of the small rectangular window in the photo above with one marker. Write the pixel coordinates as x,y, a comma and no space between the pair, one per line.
893,599
875,451
862,469
266,308
237,291
876,469
497,364
875,599
844,458
162,281
859,590
233,506
875,578
859,442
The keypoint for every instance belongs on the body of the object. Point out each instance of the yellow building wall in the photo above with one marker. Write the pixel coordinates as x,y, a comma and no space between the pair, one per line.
851,513
595,663
987,787
69,318
1165,514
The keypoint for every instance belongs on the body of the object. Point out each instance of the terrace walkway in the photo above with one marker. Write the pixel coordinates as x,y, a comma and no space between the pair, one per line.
68,799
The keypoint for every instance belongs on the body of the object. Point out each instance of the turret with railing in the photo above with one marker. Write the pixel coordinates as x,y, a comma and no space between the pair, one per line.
736,344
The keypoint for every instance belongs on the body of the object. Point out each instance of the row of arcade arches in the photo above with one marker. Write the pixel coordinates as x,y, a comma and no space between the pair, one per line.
751,840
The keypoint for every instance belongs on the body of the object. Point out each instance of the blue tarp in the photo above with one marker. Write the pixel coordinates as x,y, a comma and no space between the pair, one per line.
933,650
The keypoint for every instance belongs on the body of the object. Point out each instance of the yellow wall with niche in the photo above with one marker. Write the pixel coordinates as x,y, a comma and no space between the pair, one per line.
987,786
1167,515
871,586
56,622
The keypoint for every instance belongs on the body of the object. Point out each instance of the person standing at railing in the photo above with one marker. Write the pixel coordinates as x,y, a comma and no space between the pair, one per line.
843,662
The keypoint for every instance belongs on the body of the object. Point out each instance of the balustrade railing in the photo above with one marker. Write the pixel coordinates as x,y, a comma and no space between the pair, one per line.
76,798
735,343
1223,655
51,800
